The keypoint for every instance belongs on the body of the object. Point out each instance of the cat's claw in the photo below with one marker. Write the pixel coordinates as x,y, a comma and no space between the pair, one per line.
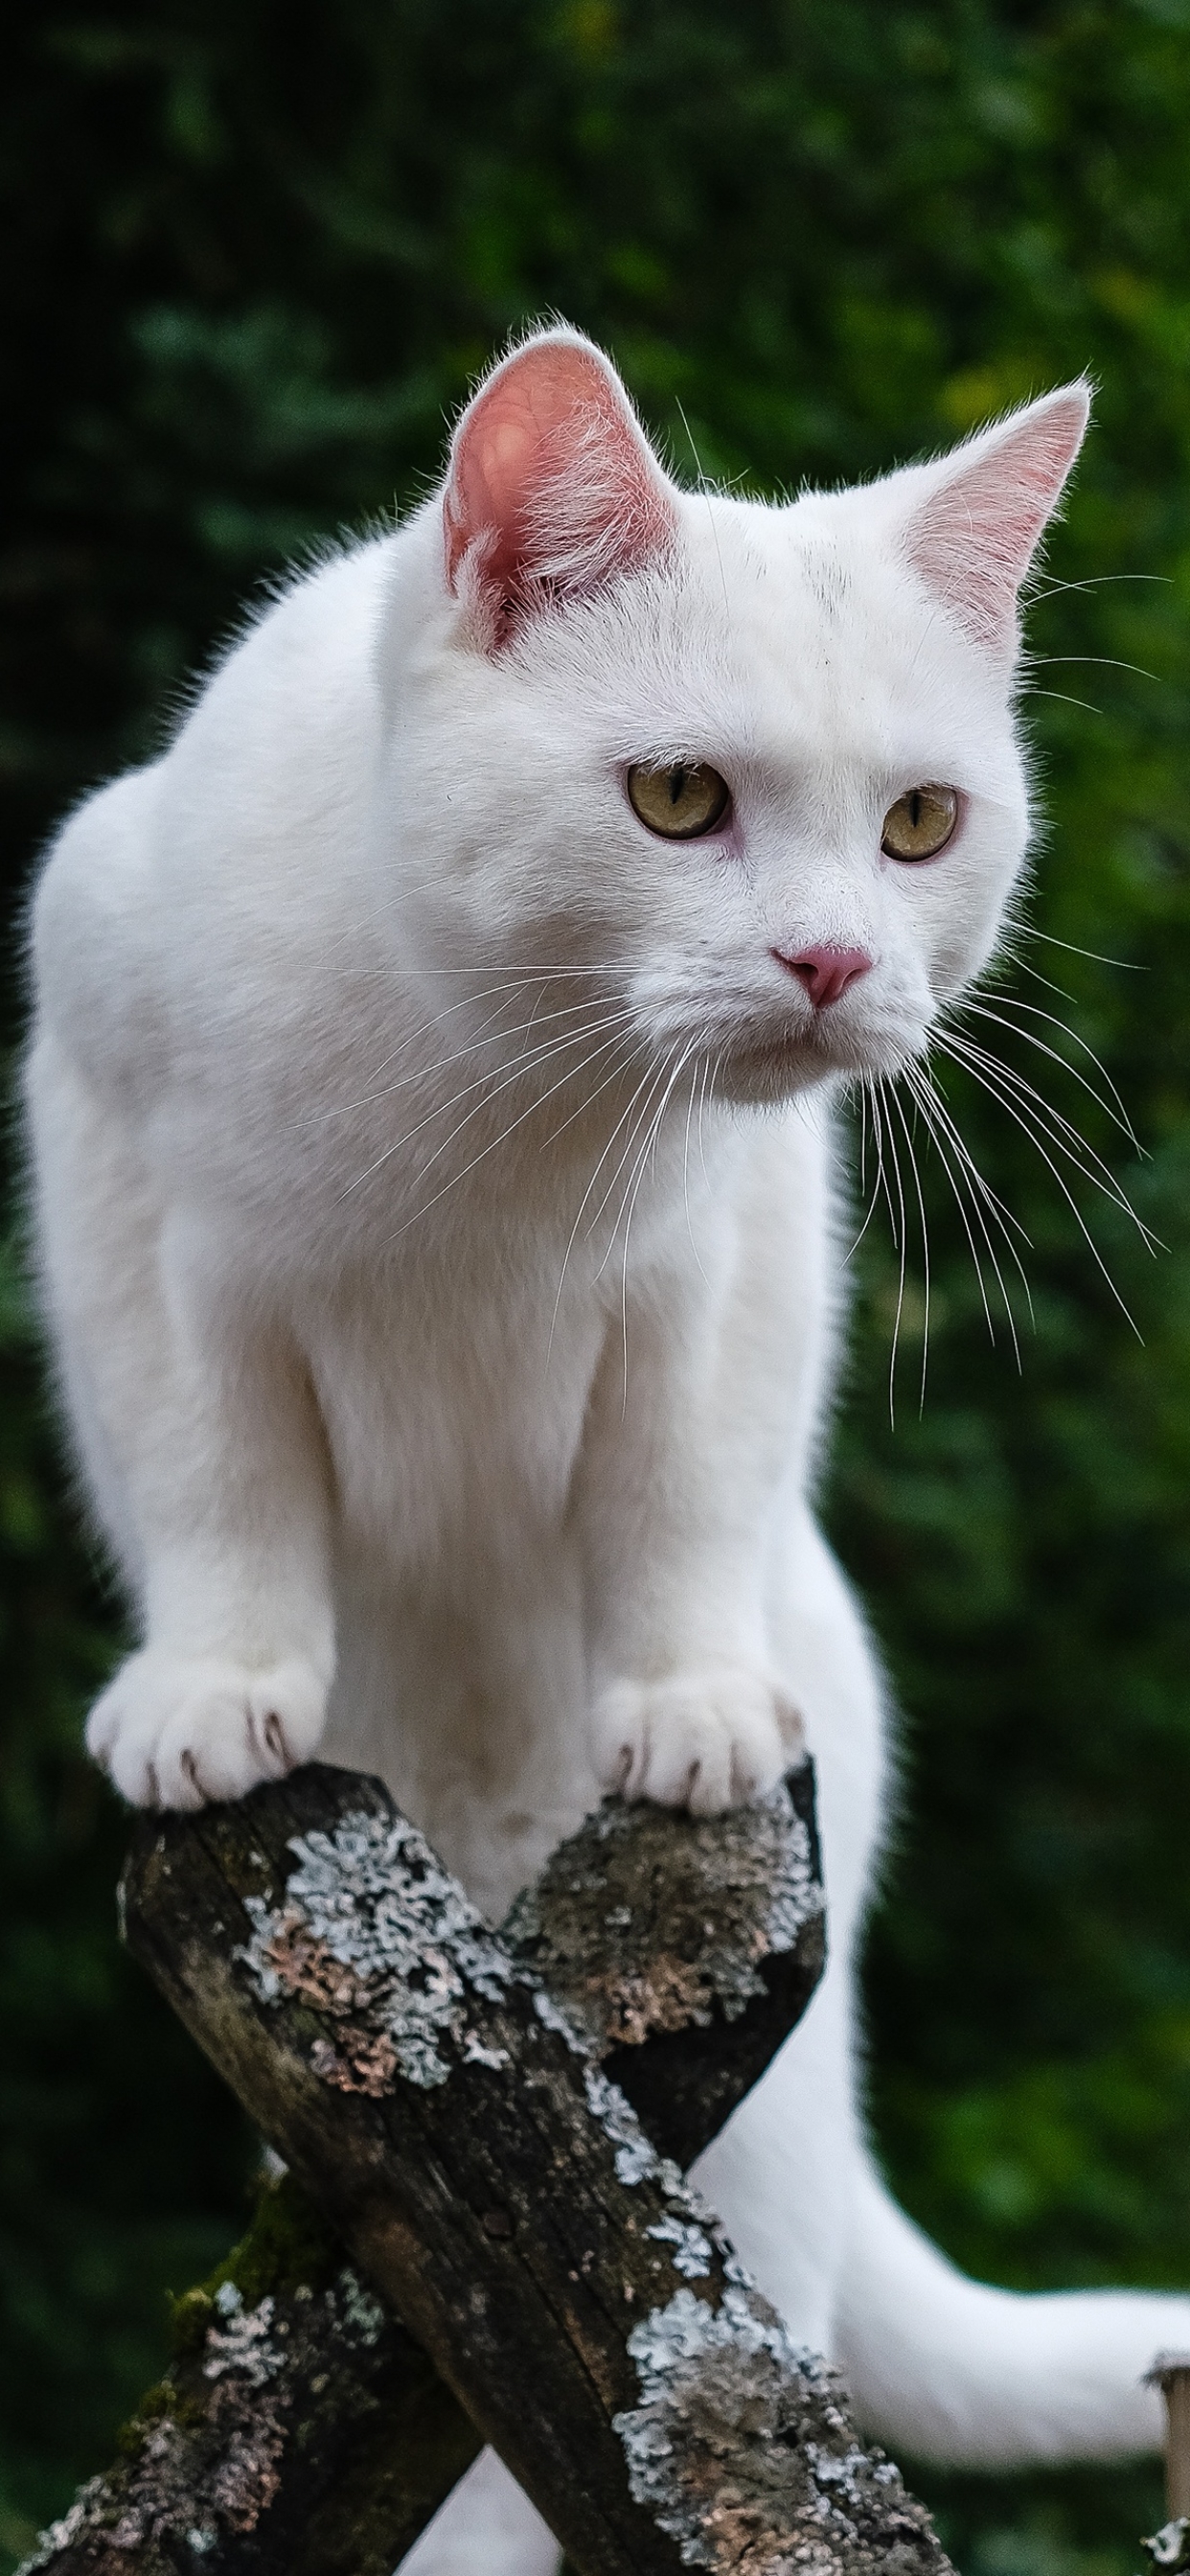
176,1731
705,1741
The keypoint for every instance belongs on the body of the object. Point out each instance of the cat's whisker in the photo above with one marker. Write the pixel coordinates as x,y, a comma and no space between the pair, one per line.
510,983
1112,1106
1065,1139
426,1073
875,1088
583,1107
1030,1125
995,978
484,1084
686,1167
571,1073
438,1109
1050,589
1128,966
903,1250
617,1072
1102,661
873,1201
343,1109
638,1103
1064,699
491,1091
518,974
967,1182
612,1031
874,1108
898,1105
538,996
977,1204
499,1036
642,1166
1002,1215
716,1070
702,1102
911,1072
649,1089
1073,1142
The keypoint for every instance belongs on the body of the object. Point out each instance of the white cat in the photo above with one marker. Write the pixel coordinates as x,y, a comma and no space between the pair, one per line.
431,1099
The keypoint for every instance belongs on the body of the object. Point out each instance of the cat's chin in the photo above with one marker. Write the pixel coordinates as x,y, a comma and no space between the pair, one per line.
776,1069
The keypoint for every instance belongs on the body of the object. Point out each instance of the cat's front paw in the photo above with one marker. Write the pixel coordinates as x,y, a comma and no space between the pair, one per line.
176,1731
702,1740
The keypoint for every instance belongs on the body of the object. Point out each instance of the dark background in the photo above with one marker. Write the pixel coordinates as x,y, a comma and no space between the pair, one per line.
253,255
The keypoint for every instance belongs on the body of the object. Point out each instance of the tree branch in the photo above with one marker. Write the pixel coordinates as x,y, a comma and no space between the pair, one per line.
450,2115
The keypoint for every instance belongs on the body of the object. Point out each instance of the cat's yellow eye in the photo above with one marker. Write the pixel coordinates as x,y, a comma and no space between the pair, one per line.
920,823
680,801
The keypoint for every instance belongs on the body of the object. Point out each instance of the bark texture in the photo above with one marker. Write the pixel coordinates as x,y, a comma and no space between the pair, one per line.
688,1948
300,2430
446,2108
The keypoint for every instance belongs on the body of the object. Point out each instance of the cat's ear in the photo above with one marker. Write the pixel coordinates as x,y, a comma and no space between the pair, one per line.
553,488
974,533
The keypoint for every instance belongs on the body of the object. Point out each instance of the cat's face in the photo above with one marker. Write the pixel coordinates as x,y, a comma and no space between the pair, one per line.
747,774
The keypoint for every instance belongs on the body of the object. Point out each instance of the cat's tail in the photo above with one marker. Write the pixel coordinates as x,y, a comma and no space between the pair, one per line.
485,2528
975,2377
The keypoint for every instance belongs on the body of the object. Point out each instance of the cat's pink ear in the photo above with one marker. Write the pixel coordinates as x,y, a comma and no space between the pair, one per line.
974,535
553,488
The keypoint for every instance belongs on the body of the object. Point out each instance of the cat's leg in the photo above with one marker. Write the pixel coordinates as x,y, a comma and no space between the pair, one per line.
200,1443
697,1429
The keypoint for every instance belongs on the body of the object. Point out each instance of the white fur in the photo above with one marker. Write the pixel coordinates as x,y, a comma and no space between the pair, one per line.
356,1011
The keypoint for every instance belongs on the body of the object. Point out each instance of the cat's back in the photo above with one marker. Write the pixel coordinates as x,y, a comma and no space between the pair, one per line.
179,885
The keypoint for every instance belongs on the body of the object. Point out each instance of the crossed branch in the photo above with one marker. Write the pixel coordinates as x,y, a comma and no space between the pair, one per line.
484,2233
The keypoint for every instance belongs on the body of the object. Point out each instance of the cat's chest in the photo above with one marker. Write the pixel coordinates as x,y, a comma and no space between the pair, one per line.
453,1399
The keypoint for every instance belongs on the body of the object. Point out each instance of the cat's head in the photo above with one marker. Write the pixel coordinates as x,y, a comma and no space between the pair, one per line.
750,769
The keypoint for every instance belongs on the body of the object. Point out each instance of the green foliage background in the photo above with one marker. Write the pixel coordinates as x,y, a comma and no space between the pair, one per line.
253,255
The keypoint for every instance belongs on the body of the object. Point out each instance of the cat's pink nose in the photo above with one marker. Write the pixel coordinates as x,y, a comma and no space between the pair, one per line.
826,973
